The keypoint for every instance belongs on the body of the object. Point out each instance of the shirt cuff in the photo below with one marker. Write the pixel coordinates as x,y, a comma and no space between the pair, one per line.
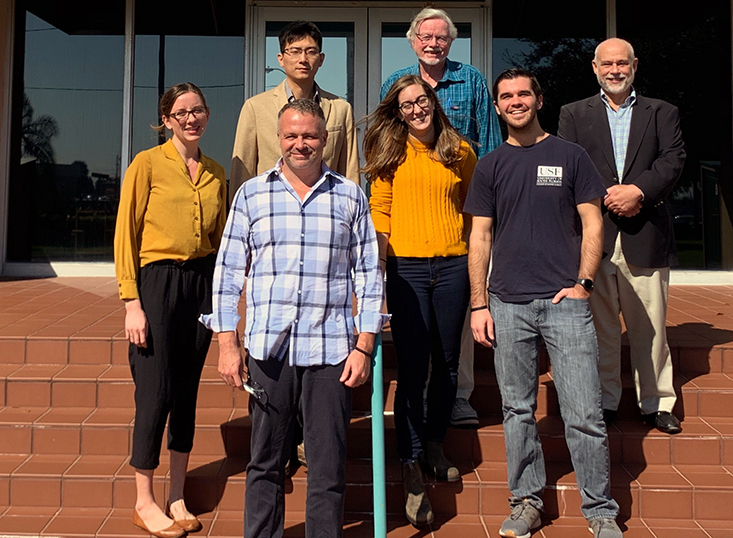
220,323
370,322
128,289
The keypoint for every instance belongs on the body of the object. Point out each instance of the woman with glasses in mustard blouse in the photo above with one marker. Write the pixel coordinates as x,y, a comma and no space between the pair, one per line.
170,221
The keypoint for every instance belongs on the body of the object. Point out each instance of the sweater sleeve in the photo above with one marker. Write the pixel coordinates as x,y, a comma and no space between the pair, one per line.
380,203
128,230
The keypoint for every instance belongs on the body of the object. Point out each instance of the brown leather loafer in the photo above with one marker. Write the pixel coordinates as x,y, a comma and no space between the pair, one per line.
174,531
188,525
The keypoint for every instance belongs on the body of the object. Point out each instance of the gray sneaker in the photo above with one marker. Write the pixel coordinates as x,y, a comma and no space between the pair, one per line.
604,527
520,523
463,414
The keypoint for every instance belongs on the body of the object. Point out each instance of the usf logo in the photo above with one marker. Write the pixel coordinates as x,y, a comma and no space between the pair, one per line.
549,176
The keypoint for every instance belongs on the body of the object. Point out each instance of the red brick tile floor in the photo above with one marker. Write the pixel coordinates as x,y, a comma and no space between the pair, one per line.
38,317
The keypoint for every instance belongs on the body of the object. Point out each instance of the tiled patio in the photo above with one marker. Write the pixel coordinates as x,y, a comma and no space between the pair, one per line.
66,414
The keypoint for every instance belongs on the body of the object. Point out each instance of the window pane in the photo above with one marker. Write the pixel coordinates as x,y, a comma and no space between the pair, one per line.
206,49
664,42
555,44
64,182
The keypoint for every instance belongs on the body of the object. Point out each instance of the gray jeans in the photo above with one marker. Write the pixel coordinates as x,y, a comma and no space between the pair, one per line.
567,329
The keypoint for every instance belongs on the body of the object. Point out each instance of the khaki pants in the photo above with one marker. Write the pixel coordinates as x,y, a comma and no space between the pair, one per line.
640,295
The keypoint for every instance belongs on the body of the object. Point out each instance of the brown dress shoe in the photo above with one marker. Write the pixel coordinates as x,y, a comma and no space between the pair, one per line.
174,531
188,525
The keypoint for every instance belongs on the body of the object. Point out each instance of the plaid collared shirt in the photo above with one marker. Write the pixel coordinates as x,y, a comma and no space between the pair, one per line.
620,123
299,257
466,101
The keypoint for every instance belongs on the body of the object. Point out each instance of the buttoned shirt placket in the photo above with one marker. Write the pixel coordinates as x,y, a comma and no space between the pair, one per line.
619,122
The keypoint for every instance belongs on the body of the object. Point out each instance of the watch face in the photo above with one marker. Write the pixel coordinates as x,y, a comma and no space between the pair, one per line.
587,283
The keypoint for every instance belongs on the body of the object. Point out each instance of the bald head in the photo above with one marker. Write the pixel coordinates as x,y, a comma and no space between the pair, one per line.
615,67
615,42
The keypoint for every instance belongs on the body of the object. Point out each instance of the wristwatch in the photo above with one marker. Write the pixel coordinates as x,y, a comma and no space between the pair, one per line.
587,283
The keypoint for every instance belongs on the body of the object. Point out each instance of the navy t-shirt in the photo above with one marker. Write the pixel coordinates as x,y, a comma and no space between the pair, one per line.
532,193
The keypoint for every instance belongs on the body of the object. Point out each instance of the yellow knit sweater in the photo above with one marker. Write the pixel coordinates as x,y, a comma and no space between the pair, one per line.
421,207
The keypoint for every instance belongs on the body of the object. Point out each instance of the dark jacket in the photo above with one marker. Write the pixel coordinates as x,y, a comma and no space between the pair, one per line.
654,160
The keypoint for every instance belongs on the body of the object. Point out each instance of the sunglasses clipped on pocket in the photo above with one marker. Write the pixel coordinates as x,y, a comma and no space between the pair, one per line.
255,389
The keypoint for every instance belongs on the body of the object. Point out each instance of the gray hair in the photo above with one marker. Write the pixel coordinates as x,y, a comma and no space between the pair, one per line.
632,56
304,106
431,13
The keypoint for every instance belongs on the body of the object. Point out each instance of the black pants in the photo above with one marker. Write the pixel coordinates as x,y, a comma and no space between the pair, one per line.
326,405
167,372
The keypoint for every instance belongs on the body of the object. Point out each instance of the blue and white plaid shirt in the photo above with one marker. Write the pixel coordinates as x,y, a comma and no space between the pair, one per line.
298,257
620,123
466,101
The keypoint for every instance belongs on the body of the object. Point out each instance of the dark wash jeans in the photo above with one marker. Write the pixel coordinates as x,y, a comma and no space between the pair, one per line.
427,298
326,406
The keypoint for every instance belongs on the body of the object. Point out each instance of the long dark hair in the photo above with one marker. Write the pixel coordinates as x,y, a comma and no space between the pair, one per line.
385,142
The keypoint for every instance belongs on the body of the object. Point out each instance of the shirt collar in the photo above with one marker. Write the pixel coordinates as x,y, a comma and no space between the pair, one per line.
630,100
451,73
276,174
291,97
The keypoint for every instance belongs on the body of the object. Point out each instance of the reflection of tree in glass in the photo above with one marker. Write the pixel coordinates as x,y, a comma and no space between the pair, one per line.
563,68
37,134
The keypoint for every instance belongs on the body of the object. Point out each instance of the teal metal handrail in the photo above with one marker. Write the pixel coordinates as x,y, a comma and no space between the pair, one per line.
378,466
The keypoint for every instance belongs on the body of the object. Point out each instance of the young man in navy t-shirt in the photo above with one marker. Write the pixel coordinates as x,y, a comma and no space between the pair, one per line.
536,201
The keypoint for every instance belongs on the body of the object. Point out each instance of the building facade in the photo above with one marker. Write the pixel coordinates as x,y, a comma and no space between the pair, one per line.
80,82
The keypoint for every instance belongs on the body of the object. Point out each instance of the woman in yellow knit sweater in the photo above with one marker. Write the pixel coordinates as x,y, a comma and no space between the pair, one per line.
170,221
420,168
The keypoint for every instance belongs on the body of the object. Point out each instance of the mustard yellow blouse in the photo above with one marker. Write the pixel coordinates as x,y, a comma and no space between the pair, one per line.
421,207
163,215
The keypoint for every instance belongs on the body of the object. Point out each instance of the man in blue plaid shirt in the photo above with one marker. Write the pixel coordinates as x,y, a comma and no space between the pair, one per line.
466,100
303,236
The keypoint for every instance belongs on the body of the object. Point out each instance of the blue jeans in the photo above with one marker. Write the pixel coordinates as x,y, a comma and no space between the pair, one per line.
567,329
427,298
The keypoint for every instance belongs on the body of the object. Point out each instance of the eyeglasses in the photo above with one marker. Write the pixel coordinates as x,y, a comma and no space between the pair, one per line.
182,115
408,106
295,52
442,40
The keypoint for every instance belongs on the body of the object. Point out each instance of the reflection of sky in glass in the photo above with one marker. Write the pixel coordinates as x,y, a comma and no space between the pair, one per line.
215,64
397,53
331,76
504,51
77,80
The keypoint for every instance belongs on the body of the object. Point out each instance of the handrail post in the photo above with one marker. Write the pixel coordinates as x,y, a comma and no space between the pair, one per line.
378,465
